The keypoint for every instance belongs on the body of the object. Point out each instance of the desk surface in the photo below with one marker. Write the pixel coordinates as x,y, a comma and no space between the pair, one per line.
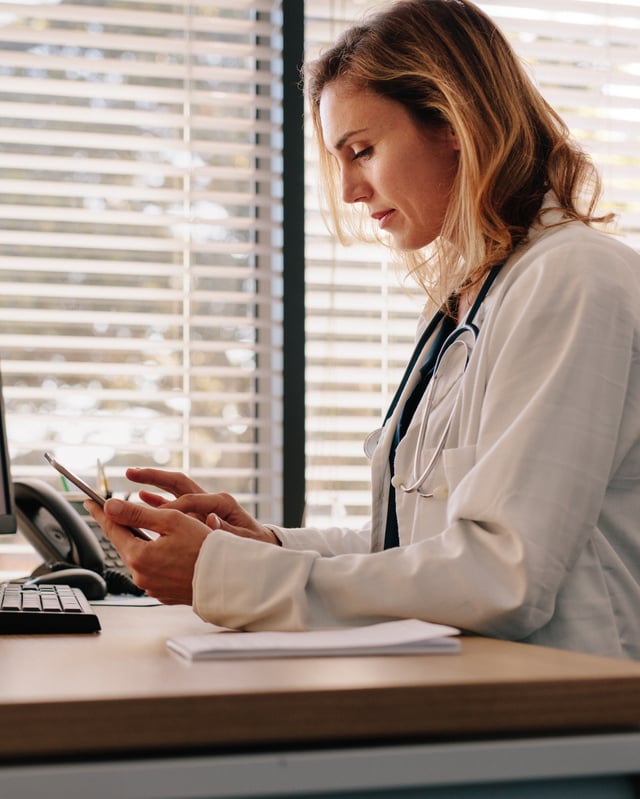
122,690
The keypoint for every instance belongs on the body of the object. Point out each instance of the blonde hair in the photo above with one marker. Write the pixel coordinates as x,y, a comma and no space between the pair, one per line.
448,64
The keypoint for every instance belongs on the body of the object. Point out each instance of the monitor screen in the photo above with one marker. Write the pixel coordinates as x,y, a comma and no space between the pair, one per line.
7,508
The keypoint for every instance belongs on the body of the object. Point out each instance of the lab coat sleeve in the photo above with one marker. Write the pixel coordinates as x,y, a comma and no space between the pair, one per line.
326,541
551,386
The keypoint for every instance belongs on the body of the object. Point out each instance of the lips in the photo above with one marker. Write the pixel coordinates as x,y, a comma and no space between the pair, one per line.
383,217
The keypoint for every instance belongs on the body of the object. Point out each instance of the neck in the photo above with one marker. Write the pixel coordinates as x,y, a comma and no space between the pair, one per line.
464,302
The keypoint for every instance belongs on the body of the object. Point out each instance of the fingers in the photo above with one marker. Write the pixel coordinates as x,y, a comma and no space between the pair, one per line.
202,505
155,500
256,532
222,512
175,483
216,523
164,521
162,567
122,538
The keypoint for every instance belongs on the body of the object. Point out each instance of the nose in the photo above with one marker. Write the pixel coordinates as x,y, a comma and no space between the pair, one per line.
354,188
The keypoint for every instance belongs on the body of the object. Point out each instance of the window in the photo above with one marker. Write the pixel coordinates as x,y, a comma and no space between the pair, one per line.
140,208
141,230
585,57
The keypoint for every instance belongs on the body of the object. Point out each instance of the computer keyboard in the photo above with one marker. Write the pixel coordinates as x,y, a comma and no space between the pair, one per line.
38,609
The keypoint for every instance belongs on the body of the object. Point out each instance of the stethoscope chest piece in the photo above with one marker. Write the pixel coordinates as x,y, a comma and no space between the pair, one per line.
371,442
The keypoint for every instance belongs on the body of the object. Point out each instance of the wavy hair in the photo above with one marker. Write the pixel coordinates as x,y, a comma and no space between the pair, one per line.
448,64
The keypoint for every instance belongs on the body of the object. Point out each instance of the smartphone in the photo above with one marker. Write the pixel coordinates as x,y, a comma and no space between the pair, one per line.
90,492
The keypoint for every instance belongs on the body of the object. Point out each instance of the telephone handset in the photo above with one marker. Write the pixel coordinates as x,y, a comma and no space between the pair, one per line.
64,539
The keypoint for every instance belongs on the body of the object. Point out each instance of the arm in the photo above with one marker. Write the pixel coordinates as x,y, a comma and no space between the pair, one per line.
164,568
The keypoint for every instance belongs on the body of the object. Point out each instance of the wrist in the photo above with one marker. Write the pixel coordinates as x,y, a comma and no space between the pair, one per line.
271,535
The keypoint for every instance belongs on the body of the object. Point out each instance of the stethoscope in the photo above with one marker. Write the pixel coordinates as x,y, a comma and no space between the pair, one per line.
450,365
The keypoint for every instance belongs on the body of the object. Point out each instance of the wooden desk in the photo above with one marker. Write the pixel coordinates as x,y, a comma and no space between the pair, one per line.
106,699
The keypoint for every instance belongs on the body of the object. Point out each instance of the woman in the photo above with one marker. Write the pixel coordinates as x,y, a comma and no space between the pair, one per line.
505,498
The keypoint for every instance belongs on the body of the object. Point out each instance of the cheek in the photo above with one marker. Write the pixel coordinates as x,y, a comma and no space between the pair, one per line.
402,183
435,186
448,169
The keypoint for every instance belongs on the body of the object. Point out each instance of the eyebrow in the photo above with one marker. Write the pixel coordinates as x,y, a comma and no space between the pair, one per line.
344,138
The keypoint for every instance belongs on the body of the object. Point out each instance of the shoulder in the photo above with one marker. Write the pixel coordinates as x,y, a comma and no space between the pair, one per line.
575,247
568,280
574,260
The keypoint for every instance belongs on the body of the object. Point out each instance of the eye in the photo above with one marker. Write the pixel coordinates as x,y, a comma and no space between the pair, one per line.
364,153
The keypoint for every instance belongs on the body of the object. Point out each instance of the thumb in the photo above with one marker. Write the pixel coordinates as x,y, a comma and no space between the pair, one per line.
216,523
115,509
213,521
129,514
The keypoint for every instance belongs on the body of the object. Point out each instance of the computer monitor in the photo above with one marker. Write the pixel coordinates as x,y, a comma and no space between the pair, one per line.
7,507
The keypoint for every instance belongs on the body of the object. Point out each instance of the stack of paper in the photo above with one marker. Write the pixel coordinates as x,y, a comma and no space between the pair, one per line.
406,636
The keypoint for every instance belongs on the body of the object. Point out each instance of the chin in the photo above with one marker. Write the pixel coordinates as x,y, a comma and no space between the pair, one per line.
411,246
408,243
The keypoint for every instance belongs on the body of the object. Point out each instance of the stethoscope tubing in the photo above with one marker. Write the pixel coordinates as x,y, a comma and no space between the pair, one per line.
371,440
451,340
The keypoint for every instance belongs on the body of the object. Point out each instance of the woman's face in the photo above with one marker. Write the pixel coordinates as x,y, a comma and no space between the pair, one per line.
401,170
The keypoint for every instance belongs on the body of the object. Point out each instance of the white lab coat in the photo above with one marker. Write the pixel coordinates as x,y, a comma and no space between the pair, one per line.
534,534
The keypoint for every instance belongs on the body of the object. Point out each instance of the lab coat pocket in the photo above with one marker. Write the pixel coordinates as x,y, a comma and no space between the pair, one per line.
421,513
457,463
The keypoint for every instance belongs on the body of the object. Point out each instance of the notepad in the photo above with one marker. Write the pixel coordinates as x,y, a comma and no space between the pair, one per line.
406,636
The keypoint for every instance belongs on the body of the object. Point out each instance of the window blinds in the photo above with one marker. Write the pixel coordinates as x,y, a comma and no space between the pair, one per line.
585,57
140,224
140,276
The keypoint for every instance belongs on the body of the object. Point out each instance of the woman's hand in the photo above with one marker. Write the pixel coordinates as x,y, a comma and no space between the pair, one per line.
175,483
164,567
217,511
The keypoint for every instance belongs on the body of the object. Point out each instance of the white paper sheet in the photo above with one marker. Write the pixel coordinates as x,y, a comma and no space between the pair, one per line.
406,636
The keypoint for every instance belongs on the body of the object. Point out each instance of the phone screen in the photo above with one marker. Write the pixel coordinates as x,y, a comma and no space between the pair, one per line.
90,492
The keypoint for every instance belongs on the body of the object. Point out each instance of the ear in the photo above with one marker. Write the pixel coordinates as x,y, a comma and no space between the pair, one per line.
453,138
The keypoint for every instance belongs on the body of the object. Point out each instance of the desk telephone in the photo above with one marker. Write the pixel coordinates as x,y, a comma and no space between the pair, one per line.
66,539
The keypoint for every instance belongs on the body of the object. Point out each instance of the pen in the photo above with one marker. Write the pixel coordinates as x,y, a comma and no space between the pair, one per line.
103,483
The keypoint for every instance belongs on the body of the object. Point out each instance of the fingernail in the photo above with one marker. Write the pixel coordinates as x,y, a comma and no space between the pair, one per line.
115,506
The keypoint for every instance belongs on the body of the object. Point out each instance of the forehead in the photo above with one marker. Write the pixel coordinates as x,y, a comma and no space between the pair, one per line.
347,110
